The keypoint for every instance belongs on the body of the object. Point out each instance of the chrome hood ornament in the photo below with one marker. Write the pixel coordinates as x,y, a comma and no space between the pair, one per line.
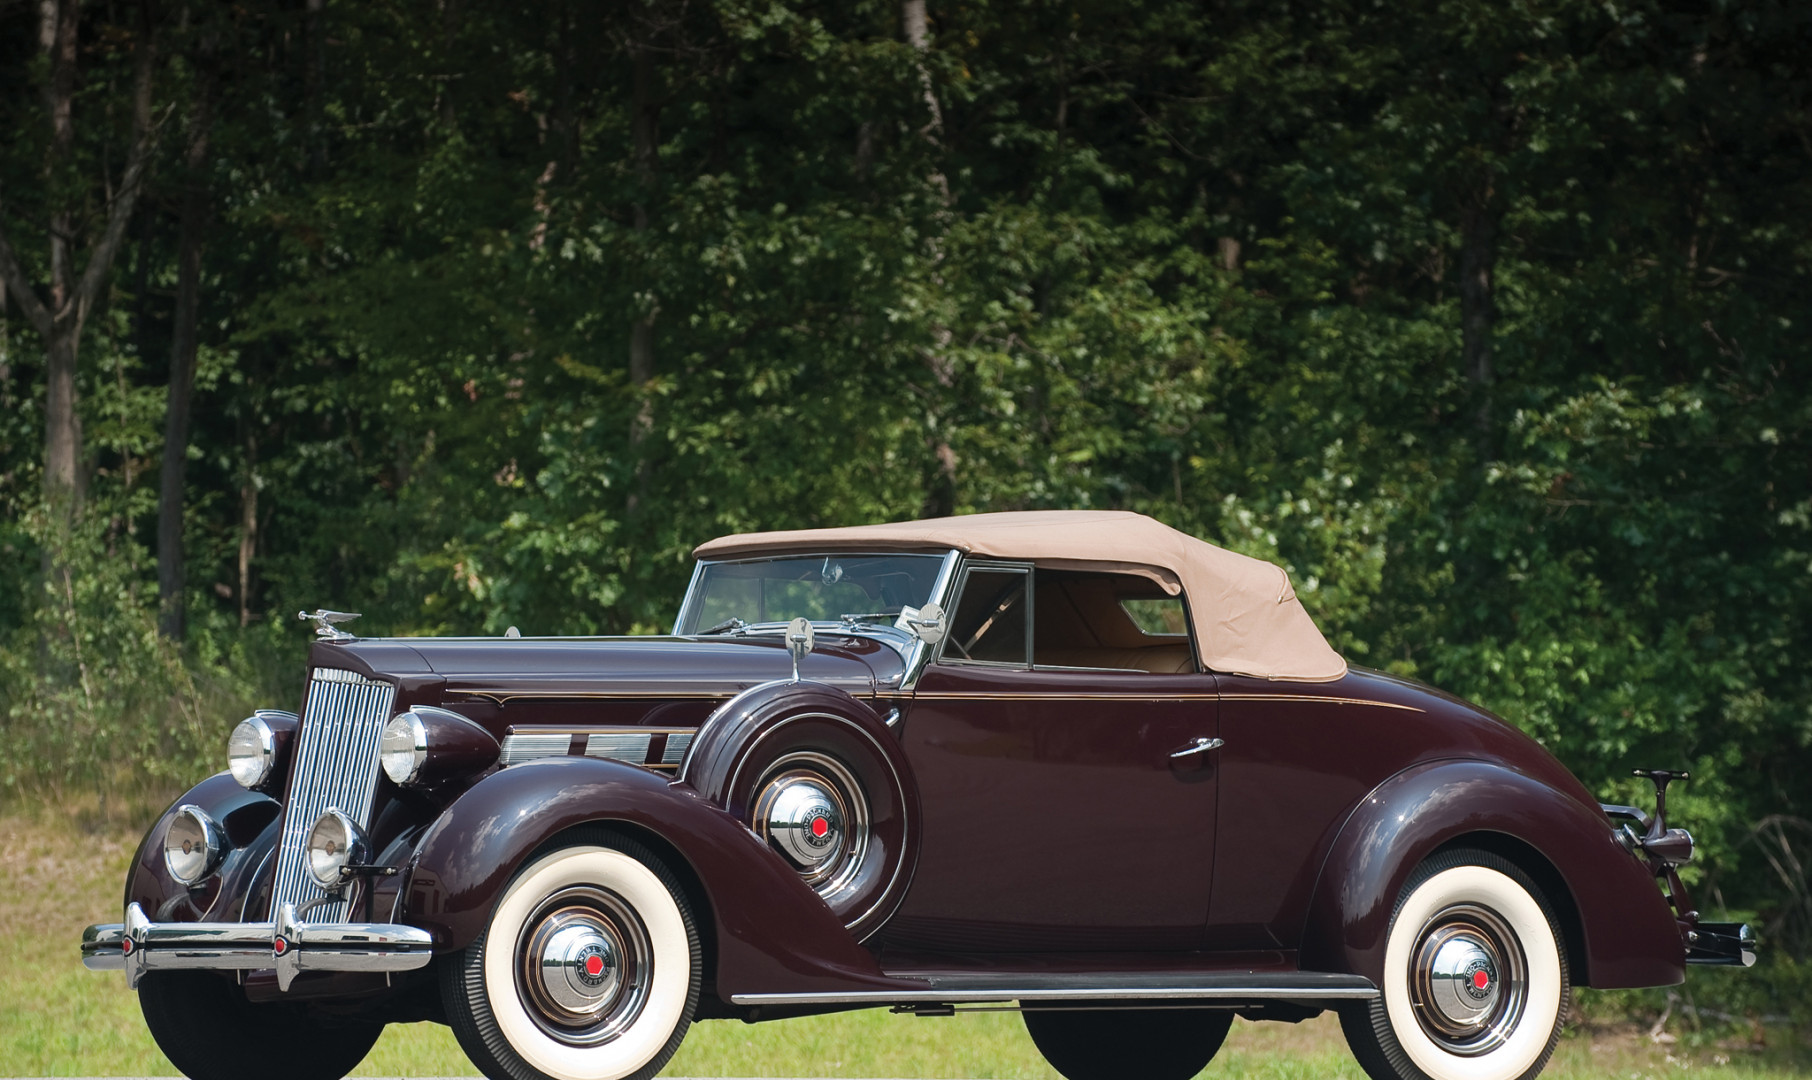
326,623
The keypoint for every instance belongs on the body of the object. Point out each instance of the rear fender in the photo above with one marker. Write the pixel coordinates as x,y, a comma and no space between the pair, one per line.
772,932
1625,930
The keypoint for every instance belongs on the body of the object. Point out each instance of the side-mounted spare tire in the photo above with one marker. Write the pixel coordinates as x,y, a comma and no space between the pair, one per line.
819,776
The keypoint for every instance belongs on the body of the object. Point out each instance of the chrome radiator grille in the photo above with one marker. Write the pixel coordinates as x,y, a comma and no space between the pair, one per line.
336,763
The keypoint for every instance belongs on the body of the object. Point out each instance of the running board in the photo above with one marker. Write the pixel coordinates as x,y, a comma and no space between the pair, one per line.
981,987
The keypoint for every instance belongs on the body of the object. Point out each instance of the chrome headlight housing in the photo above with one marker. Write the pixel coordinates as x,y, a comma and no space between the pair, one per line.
403,748
192,845
252,752
335,843
426,745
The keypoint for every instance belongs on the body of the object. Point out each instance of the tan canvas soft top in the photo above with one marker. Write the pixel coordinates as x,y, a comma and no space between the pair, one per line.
1246,617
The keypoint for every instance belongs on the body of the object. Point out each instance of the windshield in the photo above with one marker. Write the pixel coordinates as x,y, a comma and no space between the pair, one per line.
871,589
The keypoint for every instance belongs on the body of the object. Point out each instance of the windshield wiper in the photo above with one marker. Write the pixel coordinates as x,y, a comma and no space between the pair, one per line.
732,623
867,616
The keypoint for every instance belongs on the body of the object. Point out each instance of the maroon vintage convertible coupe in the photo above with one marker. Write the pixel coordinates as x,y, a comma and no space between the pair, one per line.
1075,762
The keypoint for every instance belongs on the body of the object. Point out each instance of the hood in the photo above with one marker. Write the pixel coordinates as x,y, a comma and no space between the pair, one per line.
639,667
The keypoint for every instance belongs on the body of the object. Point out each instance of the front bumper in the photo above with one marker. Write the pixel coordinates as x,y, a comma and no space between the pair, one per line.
287,945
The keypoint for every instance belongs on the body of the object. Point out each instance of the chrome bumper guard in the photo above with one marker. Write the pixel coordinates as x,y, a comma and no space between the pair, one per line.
1727,944
288,945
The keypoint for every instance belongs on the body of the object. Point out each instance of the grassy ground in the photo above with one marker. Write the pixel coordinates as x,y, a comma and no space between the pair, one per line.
57,1019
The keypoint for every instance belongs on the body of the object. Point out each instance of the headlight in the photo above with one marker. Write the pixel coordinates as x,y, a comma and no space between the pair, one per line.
256,748
191,845
252,752
335,842
403,750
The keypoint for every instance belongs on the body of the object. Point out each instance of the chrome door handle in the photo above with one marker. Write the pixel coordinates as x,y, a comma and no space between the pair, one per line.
1199,746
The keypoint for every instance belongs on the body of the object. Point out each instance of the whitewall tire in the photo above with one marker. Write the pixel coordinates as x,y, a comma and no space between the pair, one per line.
1476,982
588,969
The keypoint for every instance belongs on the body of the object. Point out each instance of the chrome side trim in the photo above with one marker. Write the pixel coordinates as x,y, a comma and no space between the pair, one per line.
1245,986
139,945
519,747
677,745
630,746
1323,699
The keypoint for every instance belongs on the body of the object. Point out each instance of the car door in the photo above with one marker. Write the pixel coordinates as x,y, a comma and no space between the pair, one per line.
1064,808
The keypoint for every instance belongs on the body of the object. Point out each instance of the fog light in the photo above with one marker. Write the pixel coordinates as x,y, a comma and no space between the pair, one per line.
335,843
251,751
191,845
403,749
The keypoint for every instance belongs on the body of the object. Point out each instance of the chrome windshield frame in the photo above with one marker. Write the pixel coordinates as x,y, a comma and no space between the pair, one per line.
914,652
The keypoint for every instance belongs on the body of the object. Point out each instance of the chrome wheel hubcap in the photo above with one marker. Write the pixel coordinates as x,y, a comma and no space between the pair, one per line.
584,965
811,810
1468,980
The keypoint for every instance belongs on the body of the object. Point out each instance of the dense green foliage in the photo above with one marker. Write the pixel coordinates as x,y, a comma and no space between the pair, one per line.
1487,320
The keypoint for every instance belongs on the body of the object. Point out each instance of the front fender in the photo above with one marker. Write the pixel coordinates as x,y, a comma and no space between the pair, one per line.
772,933
248,820
1625,930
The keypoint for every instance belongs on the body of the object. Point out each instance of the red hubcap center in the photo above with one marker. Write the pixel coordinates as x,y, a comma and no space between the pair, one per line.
1480,979
594,966
820,827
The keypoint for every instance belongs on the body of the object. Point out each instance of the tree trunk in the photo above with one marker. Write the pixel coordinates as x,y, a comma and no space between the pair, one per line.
917,29
58,22
60,319
248,529
940,490
314,82
190,242
1479,224
645,128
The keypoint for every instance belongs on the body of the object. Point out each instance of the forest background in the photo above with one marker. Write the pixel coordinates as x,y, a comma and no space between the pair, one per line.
1486,318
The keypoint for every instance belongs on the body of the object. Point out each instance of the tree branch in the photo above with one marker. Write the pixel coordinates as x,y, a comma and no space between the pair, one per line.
144,137
14,277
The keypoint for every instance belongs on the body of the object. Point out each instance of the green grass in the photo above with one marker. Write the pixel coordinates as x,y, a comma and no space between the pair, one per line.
58,1019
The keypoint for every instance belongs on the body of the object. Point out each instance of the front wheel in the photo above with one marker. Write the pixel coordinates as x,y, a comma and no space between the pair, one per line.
1108,1044
587,970
209,1031
1476,985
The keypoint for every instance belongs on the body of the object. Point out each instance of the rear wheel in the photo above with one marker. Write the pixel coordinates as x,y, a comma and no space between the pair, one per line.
1476,985
1128,1044
588,969
209,1031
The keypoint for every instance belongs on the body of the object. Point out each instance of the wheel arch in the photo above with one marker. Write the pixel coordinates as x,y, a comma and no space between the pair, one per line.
1626,936
767,930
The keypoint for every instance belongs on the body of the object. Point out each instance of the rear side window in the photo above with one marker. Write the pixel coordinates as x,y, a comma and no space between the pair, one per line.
1117,622
1158,618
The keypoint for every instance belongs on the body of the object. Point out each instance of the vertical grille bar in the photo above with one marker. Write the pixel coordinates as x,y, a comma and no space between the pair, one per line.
336,766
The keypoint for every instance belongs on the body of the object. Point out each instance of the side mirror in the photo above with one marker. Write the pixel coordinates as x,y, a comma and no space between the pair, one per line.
927,623
799,636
